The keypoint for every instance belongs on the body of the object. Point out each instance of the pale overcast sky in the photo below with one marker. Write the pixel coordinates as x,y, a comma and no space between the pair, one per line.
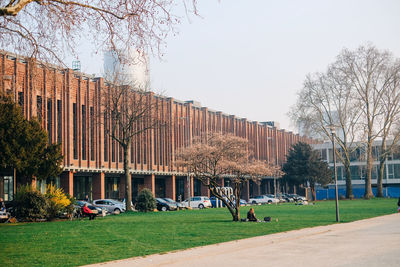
250,57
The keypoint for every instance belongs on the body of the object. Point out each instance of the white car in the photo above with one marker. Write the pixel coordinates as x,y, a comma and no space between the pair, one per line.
198,202
262,200
111,205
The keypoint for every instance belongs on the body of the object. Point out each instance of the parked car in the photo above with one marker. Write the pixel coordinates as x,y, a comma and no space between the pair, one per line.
243,202
163,205
262,200
287,197
297,197
198,202
178,205
111,205
98,210
274,199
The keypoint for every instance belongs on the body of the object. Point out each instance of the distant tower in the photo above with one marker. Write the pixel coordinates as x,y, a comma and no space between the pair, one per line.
76,65
132,69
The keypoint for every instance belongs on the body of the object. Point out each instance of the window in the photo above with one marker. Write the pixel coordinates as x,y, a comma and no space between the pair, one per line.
394,171
83,132
396,168
376,152
138,139
91,133
323,154
120,157
39,107
49,120
112,187
355,174
82,187
113,150
59,121
197,187
105,138
144,148
75,130
8,183
21,100
330,155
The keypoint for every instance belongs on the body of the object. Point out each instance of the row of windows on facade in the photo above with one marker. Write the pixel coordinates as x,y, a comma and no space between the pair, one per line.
391,171
162,142
358,155
141,147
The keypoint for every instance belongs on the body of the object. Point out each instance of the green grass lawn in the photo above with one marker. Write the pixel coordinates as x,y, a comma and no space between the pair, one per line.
70,243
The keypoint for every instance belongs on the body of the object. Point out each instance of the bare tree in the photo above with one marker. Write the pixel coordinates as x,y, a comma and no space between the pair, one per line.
326,100
223,156
44,29
367,70
358,94
389,122
126,112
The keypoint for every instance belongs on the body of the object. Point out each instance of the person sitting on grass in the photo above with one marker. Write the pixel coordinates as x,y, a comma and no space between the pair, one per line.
398,205
251,216
88,212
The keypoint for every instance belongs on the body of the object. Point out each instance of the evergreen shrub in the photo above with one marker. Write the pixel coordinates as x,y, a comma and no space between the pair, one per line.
30,204
146,201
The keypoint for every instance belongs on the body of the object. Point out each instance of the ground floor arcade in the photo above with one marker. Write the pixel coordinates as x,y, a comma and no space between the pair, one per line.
111,185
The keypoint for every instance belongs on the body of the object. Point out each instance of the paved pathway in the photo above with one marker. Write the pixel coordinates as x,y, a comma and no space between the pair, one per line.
370,242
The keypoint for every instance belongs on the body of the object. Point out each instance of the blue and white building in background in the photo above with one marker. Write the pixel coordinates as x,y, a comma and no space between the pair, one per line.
391,181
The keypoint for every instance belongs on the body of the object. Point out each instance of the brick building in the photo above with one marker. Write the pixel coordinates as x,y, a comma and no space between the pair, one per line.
67,103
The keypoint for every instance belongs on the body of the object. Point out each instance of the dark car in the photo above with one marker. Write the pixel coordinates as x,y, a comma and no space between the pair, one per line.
178,205
163,205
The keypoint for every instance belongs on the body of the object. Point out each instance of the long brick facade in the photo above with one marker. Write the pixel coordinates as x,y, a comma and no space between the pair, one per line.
68,105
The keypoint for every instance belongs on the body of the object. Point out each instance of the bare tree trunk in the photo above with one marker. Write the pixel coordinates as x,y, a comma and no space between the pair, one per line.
379,184
314,195
349,187
368,189
128,185
382,159
237,203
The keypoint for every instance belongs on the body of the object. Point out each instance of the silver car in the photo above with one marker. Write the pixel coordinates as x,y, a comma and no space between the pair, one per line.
111,205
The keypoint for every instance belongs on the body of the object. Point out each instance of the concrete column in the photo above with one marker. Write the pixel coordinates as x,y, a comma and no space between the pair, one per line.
98,185
150,183
191,187
67,182
170,187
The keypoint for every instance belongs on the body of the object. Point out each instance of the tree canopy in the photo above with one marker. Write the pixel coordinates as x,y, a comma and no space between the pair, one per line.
359,95
219,156
24,144
45,29
304,165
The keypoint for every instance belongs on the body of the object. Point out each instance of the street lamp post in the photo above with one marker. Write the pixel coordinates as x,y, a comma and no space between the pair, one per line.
274,151
332,128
